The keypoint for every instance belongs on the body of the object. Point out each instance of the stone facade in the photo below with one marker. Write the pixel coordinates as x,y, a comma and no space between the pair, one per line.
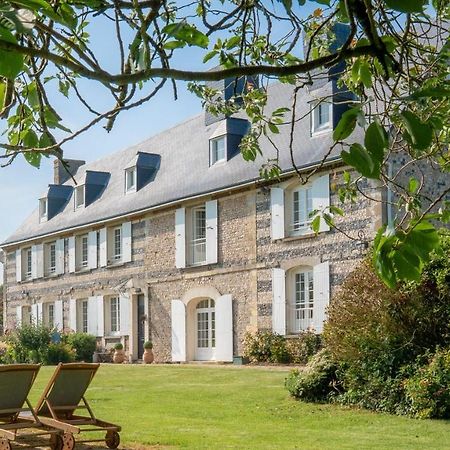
246,256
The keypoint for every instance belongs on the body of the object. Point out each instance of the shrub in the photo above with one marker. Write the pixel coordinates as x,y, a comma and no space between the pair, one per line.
317,382
118,346
57,353
265,346
84,345
428,390
303,346
29,344
148,345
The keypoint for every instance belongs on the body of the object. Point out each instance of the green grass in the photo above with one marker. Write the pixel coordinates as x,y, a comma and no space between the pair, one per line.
245,408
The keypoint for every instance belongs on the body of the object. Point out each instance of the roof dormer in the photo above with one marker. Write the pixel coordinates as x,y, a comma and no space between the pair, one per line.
225,139
90,188
141,170
53,201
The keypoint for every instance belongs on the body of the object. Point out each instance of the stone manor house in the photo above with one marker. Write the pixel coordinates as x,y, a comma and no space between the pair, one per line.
180,241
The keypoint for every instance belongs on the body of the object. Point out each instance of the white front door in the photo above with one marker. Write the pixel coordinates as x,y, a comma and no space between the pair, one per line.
205,317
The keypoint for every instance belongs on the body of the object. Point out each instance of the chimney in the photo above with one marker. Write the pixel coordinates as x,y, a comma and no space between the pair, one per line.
62,173
228,88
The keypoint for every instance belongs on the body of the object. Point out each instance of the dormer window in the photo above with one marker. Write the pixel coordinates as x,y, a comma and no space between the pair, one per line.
217,150
130,180
79,196
321,117
43,209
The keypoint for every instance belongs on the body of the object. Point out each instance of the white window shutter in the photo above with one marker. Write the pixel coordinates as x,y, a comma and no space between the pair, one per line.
279,301
19,268
40,311
18,316
103,248
224,328
34,313
59,315
124,315
178,315
60,257
72,265
211,232
321,198
34,262
39,260
277,213
92,250
93,316
321,294
73,314
126,242
100,316
180,238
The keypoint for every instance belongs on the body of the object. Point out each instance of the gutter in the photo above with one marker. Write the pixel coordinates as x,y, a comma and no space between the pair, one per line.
159,206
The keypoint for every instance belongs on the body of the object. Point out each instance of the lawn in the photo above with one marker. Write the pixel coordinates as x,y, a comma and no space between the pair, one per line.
207,407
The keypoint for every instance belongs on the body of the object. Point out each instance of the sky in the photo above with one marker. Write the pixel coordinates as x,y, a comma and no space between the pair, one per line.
21,185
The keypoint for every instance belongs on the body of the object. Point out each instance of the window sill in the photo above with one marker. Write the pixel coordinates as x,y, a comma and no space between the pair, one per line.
297,237
112,264
321,132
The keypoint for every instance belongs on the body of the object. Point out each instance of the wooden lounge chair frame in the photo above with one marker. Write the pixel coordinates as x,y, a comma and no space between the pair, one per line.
63,417
12,420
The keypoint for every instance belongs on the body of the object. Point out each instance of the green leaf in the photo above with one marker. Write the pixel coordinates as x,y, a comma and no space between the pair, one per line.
33,158
376,140
30,139
413,185
364,74
359,158
347,124
407,6
336,210
210,55
315,224
187,33
170,45
437,92
11,63
419,134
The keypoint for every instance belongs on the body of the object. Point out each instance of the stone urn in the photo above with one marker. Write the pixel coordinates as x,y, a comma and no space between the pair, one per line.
119,354
148,356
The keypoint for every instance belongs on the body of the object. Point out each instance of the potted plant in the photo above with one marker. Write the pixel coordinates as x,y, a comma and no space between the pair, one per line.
119,354
148,356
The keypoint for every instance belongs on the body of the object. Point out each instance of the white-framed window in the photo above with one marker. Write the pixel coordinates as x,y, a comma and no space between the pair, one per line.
80,192
301,301
301,208
27,262
26,315
217,150
114,315
49,314
117,243
81,251
321,117
130,179
82,316
43,209
197,244
50,258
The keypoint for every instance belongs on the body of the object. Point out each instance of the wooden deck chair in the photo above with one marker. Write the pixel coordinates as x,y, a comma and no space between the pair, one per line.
64,394
16,381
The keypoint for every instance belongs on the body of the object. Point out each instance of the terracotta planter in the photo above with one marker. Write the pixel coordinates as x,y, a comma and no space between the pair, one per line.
119,356
148,356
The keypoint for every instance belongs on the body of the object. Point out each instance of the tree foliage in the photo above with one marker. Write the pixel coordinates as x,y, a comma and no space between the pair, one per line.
396,58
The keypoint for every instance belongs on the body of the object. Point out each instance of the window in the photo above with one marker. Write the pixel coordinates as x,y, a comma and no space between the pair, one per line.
198,241
50,258
82,316
43,209
117,251
217,150
302,300
84,250
27,262
79,196
49,314
115,314
321,117
130,180
301,210
26,315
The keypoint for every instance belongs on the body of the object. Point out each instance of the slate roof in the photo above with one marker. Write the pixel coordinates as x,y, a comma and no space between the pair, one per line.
184,171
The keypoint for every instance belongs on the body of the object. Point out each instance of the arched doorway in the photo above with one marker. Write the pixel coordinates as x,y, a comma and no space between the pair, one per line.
205,336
